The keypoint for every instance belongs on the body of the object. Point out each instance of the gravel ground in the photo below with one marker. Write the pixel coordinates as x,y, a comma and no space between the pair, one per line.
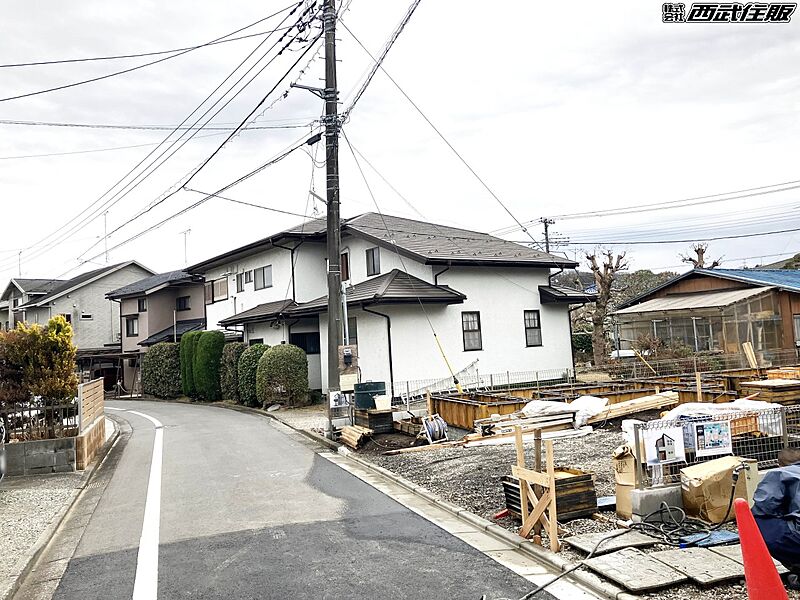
27,506
310,418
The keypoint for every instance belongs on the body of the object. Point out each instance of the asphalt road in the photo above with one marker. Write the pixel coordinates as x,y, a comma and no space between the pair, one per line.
247,511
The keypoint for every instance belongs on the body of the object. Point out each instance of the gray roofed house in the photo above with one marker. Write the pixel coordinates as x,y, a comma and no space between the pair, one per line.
486,299
155,283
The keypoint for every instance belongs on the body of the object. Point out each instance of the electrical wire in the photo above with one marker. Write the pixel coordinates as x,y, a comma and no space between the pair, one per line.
244,203
684,241
137,67
286,125
138,179
442,137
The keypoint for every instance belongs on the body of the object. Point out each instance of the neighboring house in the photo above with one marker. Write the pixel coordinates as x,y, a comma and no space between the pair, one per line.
160,308
486,299
665,448
718,310
95,320
18,292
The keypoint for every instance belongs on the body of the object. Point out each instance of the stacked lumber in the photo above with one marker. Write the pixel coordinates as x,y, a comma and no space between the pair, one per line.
355,436
780,391
631,407
506,425
784,373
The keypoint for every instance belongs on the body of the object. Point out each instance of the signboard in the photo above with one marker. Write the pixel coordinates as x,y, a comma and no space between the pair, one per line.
664,446
712,438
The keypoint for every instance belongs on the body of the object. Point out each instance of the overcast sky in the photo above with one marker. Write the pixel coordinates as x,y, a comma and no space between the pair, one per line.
560,107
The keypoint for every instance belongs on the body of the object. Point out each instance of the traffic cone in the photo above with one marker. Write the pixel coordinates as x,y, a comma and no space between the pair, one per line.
763,581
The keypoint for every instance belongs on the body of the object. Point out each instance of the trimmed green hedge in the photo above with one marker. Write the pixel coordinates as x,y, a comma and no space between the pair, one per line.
248,364
229,370
188,345
161,371
206,366
283,376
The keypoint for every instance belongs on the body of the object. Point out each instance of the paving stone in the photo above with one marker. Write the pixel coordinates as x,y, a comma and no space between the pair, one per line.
635,570
700,565
631,539
734,552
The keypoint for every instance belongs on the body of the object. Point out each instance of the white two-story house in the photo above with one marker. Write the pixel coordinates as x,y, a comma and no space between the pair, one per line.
487,300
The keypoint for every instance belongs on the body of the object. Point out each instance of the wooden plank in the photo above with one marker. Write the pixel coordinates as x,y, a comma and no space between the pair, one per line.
552,530
540,506
622,409
530,475
523,489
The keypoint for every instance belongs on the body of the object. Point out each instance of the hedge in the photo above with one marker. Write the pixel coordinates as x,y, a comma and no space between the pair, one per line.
206,366
283,376
188,345
229,370
248,364
161,371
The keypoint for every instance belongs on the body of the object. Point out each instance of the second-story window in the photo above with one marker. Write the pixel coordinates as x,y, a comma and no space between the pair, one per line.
471,328
248,276
220,289
132,327
240,283
373,261
263,277
142,304
533,328
182,303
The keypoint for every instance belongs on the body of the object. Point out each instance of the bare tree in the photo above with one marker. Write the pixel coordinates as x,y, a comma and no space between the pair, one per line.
699,260
604,275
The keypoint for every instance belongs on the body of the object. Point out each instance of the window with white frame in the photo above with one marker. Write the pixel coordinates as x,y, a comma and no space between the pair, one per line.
263,277
220,289
240,283
86,316
373,261
471,328
533,328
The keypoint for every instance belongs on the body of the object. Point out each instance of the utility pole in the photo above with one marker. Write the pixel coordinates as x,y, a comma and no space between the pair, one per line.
546,222
332,178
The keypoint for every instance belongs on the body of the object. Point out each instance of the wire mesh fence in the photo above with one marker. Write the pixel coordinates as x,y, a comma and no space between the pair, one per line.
39,420
665,447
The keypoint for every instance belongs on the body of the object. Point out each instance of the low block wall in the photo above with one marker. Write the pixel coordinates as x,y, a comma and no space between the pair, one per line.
41,457
88,443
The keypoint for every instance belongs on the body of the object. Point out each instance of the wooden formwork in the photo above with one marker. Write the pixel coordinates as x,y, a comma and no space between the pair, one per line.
463,410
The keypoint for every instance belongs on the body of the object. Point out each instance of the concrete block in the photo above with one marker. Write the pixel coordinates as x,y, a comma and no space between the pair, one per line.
64,468
646,501
37,461
15,459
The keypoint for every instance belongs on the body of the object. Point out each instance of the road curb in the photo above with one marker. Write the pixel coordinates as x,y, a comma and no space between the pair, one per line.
29,558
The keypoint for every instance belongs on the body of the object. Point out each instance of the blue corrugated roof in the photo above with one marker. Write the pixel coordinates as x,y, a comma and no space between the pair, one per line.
784,278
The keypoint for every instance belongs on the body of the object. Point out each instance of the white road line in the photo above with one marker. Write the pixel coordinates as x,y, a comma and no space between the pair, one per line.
145,586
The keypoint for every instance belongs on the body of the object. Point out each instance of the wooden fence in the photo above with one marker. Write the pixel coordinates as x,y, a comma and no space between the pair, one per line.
91,400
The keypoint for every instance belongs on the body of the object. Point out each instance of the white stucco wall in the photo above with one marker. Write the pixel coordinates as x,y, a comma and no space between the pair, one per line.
310,280
389,260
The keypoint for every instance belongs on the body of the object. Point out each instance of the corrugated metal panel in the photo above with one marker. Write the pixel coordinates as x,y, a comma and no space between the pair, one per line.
693,301
784,278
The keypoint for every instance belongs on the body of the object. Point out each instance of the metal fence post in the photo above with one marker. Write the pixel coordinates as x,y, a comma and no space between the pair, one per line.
508,380
80,407
408,397
491,381
784,428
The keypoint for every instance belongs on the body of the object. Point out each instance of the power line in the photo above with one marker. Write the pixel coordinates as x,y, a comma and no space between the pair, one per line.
136,68
68,228
686,241
443,138
145,54
244,203
287,124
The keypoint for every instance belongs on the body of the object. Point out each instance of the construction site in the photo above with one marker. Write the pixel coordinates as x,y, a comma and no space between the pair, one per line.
629,474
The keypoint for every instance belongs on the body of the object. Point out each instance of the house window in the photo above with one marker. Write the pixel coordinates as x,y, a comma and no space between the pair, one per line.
344,265
142,305
182,303
471,328
15,303
255,341
309,341
373,261
533,328
263,277
86,316
240,283
248,276
132,326
220,289
352,330
67,317
209,293
797,330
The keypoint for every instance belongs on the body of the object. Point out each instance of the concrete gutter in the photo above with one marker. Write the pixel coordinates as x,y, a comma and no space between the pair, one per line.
587,580
29,558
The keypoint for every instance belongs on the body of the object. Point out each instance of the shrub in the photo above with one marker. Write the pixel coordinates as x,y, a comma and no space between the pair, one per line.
161,370
206,366
188,345
283,376
248,364
229,370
